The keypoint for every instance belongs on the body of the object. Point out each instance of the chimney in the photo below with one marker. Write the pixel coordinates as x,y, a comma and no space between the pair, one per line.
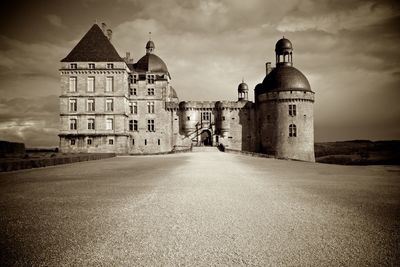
268,67
104,27
109,34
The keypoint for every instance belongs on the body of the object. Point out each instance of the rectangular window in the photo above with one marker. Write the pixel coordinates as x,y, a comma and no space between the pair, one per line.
72,84
110,65
188,118
130,91
135,125
109,84
150,79
135,78
292,110
159,142
150,91
90,84
223,118
130,79
109,124
205,116
90,125
135,109
72,142
145,142
90,105
150,107
73,66
91,66
150,126
292,130
109,105
72,124
89,142
133,142
73,106
131,125
134,91
111,141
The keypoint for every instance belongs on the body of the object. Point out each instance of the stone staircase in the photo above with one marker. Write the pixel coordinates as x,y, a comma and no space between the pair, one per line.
205,149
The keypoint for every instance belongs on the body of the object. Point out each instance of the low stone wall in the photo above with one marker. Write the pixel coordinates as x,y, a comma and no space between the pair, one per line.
20,164
252,154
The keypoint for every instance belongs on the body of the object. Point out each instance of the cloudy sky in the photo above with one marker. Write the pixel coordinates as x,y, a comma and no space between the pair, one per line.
348,49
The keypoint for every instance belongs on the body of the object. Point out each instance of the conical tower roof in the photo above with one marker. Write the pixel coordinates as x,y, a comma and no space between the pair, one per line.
93,47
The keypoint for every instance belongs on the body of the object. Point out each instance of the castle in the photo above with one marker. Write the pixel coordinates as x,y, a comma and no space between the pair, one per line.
111,104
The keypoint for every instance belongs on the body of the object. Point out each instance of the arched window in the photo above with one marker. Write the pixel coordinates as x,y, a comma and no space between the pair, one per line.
292,130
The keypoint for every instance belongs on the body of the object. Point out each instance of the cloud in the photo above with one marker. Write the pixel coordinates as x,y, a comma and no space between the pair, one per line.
55,20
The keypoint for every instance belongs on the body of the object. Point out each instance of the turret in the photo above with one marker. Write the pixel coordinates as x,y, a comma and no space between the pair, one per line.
243,91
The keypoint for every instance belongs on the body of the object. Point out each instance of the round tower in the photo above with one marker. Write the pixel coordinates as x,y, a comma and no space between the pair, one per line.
286,103
224,118
188,117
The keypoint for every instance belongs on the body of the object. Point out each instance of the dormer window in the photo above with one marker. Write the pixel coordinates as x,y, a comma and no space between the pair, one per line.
150,79
91,66
73,66
110,65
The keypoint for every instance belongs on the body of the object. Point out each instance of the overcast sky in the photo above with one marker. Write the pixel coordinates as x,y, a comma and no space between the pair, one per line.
348,49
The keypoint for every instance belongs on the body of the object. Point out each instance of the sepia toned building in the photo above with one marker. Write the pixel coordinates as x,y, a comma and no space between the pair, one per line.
112,104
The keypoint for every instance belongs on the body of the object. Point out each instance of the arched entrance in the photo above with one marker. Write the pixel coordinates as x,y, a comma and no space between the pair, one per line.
206,138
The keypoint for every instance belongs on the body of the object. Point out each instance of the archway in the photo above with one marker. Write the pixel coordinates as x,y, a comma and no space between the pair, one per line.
206,138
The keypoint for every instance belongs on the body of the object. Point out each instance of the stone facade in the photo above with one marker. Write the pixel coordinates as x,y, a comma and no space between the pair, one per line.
110,104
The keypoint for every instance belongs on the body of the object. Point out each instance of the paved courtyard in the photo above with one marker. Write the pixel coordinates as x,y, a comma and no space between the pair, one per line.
200,209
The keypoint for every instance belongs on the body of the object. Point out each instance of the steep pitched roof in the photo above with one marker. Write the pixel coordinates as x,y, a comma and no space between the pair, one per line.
93,47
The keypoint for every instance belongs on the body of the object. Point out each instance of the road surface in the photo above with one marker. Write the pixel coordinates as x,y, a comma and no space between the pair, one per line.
200,209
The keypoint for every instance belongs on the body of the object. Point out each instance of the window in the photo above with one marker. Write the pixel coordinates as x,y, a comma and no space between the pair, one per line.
110,65
223,118
188,118
150,79
72,84
205,116
135,78
133,108
89,141
133,125
110,141
73,105
159,142
132,91
72,142
91,66
133,142
73,66
109,124
90,105
292,130
292,110
130,79
150,107
72,124
150,91
109,84
90,124
90,84
109,105
150,125
145,142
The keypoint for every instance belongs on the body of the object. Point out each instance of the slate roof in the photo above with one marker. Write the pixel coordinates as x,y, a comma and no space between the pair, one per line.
93,47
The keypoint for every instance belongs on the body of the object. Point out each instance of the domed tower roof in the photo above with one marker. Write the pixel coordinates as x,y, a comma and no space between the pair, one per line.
150,44
283,45
243,87
152,63
286,78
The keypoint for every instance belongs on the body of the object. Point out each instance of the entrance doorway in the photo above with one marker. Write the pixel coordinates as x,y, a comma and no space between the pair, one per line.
206,138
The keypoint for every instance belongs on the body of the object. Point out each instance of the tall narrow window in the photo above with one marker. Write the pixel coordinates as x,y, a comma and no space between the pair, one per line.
72,124
145,142
90,124
150,126
90,105
91,66
133,142
292,130
135,78
130,78
131,125
73,105
150,107
109,124
292,110
109,105
109,84
90,84
159,142
72,84
135,125
135,109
